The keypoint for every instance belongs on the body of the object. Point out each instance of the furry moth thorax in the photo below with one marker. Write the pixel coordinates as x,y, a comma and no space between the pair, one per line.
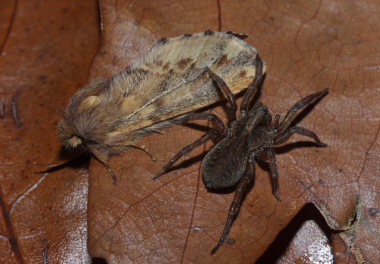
156,91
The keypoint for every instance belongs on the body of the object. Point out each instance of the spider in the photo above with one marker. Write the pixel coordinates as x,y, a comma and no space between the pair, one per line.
231,161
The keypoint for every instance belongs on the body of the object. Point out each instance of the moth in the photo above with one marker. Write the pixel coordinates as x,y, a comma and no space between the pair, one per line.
231,162
160,89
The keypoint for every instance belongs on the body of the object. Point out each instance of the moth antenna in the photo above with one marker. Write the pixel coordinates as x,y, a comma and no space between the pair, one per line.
57,166
145,150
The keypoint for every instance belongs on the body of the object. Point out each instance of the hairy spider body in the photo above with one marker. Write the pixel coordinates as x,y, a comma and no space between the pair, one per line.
226,162
231,162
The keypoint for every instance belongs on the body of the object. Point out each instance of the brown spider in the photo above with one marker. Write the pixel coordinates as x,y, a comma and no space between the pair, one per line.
231,162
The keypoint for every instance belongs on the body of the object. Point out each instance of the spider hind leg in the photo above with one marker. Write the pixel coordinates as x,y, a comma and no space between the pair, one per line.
242,189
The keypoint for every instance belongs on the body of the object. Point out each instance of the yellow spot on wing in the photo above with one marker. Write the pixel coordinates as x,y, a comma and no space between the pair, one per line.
90,101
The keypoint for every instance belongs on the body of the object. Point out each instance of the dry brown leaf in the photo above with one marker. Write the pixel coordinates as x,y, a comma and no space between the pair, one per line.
308,46
46,51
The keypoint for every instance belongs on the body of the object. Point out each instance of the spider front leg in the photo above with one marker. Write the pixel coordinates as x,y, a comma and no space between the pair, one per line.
214,119
253,87
212,134
275,121
220,83
297,107
268,155
240,193
281,138
273,171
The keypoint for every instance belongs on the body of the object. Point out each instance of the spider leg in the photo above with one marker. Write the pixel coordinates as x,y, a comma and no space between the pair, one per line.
298,130
209,136
221,84
253,87
214,119
212,134
273,171
240,193
297,107
276,121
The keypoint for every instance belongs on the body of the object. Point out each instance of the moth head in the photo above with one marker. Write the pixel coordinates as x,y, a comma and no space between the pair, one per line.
72,140
68,137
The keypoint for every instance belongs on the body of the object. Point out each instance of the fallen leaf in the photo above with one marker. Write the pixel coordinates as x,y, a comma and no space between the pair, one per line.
308,46
46,51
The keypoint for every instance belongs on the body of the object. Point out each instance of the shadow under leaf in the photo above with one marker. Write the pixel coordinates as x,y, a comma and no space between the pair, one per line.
279,246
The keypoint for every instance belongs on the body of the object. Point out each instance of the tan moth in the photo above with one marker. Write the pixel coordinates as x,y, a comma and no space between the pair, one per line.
158,90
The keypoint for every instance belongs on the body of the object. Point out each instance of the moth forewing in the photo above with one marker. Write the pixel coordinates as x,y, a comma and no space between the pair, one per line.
171,79
168,82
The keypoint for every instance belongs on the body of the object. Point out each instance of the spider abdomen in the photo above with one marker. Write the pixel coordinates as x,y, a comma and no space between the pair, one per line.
224,165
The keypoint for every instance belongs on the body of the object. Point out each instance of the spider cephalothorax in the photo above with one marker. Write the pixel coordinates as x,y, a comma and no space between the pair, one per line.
231,162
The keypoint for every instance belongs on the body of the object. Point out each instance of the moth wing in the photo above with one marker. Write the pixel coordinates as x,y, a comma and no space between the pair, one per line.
171,80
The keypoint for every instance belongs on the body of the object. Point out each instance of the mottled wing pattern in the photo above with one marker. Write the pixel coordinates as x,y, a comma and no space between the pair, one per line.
170,79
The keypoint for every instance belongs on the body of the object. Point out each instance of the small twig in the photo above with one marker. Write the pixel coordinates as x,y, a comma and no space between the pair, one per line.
2,107
45,259
15,113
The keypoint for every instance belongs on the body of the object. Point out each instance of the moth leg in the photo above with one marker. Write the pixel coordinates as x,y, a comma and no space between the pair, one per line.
112,173
102,159
147,152
253,87
221,84
214,119
301,131
240,193
302,104
273,171
209,136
